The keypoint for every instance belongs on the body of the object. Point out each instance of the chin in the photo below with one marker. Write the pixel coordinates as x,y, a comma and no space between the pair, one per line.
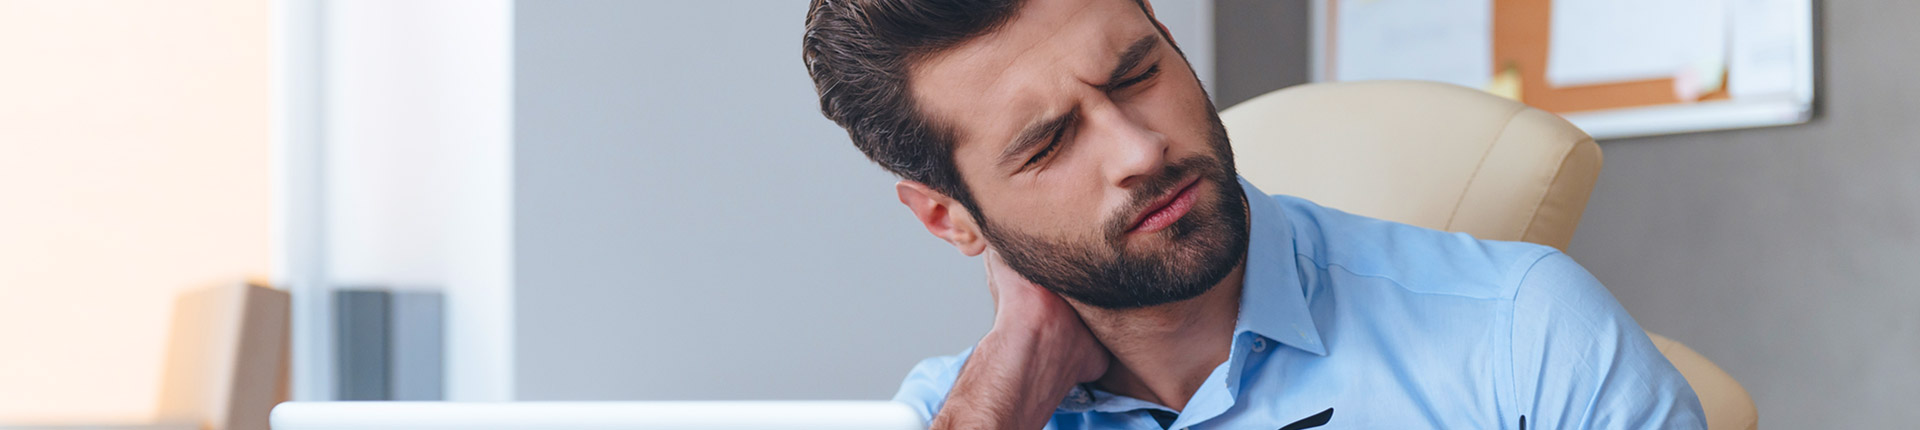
1130,270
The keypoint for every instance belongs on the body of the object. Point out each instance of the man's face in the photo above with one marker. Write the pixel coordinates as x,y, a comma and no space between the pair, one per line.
1100,169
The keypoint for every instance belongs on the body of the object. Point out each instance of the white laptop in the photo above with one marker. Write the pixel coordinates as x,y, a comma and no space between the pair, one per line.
790,415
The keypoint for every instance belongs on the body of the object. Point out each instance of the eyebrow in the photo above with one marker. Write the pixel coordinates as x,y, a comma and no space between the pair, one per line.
1035,135
1131,58
1039,132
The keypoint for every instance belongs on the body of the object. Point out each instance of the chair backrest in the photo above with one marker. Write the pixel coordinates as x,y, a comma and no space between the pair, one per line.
1427,154
1448,158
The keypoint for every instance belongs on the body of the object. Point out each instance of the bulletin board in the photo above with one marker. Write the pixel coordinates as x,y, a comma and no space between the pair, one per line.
1616,68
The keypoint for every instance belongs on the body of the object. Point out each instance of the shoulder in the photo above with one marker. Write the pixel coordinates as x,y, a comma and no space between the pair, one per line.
1418,259
1555,293
925,387
1580,360
1558,306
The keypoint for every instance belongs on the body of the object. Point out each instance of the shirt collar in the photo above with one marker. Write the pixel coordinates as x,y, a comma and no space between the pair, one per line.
1273,301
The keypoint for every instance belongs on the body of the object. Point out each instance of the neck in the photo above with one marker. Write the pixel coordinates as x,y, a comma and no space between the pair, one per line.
1163,353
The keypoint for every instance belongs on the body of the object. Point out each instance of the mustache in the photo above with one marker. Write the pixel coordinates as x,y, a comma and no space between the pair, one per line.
1143,196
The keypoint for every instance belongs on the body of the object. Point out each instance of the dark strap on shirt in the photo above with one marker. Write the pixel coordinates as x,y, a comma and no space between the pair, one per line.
1165,418
1319,419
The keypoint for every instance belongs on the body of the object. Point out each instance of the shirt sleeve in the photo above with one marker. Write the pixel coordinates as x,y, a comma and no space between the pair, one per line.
926,386
1579,361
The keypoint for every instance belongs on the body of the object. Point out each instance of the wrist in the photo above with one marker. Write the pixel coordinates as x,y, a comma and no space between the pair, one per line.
1011,373
1044,357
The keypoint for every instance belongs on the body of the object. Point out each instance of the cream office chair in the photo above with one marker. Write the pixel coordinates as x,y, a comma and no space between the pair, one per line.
1448,158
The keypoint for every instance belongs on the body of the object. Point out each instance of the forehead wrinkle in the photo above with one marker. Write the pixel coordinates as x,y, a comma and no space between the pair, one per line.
980,76
1023,26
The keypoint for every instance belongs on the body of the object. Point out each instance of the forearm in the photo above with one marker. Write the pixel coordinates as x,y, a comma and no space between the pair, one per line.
1011,381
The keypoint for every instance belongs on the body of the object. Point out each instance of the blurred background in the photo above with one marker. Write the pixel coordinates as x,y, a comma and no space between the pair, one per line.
639,200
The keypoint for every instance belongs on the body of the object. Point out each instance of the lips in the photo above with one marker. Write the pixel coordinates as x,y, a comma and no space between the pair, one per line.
1167,209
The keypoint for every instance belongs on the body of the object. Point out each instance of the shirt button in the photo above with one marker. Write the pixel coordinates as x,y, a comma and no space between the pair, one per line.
1079,396
1259,344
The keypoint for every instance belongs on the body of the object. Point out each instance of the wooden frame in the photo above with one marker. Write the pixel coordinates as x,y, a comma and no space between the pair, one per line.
1613,110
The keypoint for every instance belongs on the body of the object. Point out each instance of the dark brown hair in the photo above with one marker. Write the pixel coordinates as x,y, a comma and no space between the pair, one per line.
859,52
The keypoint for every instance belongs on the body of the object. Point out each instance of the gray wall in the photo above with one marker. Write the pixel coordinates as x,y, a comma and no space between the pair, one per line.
687,225
1262,46
1790,256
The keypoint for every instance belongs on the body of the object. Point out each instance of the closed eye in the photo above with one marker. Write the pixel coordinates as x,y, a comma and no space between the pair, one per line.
1052,143
1142,77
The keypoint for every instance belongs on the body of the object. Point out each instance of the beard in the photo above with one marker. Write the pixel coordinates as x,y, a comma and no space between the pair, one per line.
1200,249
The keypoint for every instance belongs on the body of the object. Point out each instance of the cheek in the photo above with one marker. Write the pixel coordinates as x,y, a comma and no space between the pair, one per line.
1176,109
1188,127
1065,207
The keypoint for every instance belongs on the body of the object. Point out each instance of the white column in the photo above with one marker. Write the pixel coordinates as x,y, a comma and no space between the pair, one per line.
411,113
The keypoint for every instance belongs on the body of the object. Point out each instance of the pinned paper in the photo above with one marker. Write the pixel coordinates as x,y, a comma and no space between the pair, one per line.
1506,83
1431,40
1608,41
1766,48
1699,79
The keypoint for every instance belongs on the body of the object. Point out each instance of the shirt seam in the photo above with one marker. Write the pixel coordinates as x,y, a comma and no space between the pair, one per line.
1396,282
1513,309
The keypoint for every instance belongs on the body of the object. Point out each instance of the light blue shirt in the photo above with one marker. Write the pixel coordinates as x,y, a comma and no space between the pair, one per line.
1394,326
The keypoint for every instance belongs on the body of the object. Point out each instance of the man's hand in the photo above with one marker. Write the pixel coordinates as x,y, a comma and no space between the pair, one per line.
1021,305
1036,352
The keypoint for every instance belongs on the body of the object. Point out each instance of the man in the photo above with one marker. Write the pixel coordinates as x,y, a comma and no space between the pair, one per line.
1139,284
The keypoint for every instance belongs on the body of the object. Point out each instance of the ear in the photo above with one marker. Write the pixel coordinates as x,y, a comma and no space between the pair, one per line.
943,216
1148,5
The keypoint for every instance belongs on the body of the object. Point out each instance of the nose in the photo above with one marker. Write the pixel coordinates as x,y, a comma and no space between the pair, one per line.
1133,152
